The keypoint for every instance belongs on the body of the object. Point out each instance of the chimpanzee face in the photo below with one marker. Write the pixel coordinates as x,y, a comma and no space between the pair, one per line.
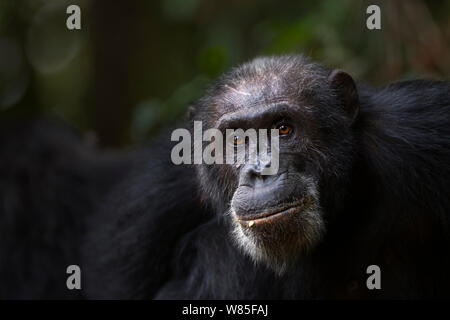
277,217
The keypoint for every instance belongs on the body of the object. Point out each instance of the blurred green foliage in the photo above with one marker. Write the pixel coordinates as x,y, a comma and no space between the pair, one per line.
135,66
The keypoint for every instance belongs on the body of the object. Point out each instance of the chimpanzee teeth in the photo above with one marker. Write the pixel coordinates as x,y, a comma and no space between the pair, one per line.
251,223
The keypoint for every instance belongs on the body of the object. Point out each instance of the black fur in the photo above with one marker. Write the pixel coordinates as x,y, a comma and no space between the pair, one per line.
51,180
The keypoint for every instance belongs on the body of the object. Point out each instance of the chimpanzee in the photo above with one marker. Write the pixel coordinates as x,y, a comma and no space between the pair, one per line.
363,180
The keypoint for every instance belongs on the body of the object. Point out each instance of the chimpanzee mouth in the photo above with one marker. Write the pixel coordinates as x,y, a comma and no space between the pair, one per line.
275,213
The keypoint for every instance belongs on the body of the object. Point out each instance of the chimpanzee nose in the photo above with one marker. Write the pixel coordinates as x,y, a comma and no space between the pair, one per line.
251,174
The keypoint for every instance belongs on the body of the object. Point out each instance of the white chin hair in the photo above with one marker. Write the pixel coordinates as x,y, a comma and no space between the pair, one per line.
306,230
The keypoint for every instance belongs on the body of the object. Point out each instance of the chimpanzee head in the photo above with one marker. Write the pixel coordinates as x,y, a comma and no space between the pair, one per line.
277,218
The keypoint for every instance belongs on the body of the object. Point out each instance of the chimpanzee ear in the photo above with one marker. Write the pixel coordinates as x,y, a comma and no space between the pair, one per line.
191,112
346,90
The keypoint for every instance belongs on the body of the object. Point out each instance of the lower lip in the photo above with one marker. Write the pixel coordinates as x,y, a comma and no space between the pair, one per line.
274,216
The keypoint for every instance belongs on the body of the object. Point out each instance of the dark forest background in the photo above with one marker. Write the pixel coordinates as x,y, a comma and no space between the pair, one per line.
134,66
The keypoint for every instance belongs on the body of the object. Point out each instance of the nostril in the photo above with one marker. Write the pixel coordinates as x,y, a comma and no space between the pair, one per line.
253,175
250,175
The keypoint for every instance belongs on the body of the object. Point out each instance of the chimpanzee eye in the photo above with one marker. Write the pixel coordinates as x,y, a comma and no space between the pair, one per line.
284,129
238,140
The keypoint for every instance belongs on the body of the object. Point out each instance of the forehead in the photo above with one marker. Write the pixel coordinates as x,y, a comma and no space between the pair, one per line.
258,91
253,93
246,93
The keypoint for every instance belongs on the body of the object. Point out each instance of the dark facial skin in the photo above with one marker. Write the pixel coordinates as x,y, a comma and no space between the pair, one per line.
277,217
